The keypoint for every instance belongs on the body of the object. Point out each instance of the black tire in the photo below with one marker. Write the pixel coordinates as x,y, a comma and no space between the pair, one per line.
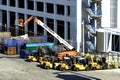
44,66
74,68
77,69
87,68
105,66
47,67
54,68
61,69
112,67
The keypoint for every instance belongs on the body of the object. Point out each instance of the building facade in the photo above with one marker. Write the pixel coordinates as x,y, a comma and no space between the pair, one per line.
71,19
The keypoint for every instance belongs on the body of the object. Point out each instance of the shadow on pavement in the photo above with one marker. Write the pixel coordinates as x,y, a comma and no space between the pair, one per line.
74,76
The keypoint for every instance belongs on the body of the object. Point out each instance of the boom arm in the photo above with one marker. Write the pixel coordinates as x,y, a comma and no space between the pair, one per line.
28,20
61,40
20,22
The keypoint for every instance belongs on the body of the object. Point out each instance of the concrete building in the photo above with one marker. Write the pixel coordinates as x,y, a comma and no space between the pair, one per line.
111,22
71,19
110,13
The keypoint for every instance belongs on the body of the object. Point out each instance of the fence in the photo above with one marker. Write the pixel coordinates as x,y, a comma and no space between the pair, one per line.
111,56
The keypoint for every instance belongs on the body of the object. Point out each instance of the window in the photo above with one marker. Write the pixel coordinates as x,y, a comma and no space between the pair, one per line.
12,22
4,2
21,29
40,6
50,24
115,43
12,3
60,9
4,19
12,18
50,8
60,28
68,23
21,3
4,16
40,30
68,10
30,27
30,5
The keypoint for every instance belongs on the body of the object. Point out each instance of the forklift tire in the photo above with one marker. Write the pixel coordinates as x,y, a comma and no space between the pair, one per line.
55,68
105,66
77,69
62,69
74,69
87,68
47,67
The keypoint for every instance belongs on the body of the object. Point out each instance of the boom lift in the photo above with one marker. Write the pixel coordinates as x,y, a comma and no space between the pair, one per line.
39,22
70,49
21,23
80,64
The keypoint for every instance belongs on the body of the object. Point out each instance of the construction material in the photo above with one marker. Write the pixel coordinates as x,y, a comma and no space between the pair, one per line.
37,39
33,46
11,50
24,53
9,42
5,34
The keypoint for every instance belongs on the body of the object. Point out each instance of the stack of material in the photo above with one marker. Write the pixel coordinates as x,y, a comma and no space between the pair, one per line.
32,46
5,34
19,44
24,53
11,50
37,39
9,45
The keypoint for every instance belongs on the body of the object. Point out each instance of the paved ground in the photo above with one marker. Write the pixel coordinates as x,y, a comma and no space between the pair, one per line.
14,68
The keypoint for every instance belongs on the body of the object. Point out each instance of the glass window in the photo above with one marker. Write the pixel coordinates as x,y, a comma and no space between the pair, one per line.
50,8
40,6
30,27
4,2
4,19
12,3
40,30
60,28
12,22
21,29
21,3
30,5
50,24
68,10
68,24
60,9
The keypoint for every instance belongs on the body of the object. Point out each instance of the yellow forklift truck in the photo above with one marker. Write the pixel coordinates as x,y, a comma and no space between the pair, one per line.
80,64
33,57
96,63
93,62
66,63
48,62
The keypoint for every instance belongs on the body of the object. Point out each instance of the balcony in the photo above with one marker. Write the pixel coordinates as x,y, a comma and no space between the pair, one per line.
94,14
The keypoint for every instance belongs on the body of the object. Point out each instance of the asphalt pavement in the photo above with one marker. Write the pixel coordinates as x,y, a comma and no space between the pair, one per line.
12,67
